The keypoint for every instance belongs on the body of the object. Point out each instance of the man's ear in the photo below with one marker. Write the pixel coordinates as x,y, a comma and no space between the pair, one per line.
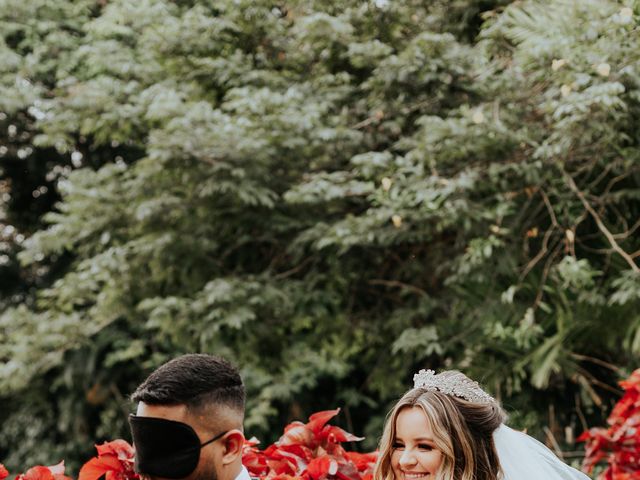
232,443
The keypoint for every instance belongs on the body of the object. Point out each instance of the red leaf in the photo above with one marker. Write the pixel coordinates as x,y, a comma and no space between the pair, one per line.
99,466
293,424
337,435
319,419
348,471
4,473
301,451
282,466
38,473
119,448
586,435
286,477
362,461
297,434
251,442
253,458
319,467
255,462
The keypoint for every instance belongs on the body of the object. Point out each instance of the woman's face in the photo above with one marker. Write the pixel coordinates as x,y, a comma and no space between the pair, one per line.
414,455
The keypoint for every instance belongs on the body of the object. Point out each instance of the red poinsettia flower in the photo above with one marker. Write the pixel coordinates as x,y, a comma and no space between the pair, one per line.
115,460
328,433
316,432
363,461
4,473
54,472
618,445
253,458
310,451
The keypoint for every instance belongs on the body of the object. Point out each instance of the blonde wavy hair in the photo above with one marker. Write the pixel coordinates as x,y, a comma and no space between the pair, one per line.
462,430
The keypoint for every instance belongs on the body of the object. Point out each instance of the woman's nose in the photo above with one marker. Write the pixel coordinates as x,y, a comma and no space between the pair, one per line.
407,458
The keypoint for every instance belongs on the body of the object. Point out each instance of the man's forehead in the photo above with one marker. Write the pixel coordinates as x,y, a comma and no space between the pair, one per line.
177,413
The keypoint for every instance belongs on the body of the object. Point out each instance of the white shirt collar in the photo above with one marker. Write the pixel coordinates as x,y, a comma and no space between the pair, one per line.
244,474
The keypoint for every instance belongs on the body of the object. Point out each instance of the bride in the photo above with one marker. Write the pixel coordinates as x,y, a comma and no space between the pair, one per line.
448,428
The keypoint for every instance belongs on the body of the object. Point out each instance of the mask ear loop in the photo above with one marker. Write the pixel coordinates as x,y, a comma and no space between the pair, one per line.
217,437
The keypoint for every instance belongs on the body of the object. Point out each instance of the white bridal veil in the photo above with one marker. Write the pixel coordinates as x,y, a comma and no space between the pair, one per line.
524,458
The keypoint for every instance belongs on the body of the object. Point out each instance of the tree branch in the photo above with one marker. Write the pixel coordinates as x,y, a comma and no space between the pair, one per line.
601,225
397,284
552,214
597,361
623,235
547,236
293,270
545,274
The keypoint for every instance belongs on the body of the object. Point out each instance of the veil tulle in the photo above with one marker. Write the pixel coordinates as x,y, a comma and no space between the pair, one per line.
524,458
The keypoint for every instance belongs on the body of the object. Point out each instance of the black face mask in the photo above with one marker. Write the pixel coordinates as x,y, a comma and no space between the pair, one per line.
165,448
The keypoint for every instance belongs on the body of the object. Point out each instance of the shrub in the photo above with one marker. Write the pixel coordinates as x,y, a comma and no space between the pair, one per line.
619,444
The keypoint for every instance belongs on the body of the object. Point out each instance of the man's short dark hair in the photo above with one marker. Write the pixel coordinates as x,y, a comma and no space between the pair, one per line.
195,380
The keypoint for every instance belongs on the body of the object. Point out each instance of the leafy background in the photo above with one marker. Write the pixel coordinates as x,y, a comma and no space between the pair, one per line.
332,194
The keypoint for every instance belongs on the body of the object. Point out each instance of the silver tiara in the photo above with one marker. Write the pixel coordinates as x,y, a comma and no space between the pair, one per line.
457,385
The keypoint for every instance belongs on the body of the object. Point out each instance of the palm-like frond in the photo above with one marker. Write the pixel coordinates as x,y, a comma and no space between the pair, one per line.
542,29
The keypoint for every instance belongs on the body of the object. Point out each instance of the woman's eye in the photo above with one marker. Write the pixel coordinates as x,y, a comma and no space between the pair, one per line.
424,446
397,445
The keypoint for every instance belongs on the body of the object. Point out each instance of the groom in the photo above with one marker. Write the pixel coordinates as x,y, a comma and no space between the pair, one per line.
188,424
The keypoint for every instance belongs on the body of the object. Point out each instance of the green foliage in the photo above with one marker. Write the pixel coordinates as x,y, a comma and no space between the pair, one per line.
332,194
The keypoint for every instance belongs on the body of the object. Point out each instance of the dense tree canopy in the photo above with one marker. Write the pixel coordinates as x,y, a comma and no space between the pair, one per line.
330,193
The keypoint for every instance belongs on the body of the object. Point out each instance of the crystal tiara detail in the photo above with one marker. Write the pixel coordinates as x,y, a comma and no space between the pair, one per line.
451,383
